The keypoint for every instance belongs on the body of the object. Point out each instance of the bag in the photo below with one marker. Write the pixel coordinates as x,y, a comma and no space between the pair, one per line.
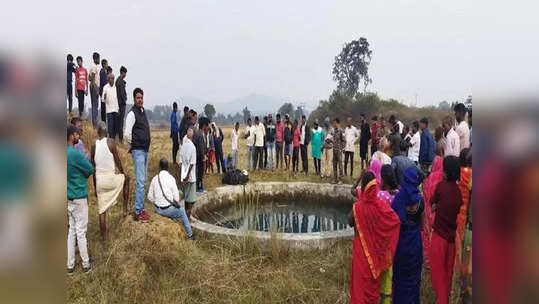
235,177
173,202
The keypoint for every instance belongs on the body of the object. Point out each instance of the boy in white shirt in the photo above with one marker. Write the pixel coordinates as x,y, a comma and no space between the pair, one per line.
234,145
415,143
250,136
111,104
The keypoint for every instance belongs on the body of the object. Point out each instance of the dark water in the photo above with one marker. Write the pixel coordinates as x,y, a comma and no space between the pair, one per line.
288,217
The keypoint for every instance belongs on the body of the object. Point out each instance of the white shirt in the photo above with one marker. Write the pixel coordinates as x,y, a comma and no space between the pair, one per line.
129,123
401,126
260,132
251,138
302,136
95,71
463,132
382,157
170,189
188,157
110,98
452,144
234,138
104,160
413,152
351,134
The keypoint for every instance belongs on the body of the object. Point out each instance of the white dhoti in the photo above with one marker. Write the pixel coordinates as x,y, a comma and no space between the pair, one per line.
109,185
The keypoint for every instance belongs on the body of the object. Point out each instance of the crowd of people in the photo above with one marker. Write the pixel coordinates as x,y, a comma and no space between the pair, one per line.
413,193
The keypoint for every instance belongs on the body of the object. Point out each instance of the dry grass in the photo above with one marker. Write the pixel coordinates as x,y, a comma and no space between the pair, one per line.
153,263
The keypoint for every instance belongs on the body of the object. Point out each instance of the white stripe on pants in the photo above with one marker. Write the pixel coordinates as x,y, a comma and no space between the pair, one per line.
77,212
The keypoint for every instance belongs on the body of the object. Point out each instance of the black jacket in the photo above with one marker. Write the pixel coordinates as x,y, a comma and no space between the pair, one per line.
140,134
120,91
307,135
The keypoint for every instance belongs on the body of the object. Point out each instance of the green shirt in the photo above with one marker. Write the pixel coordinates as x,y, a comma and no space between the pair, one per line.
78,171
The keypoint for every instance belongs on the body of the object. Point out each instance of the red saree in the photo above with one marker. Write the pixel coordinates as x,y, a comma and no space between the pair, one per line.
377,233
429,186
465,175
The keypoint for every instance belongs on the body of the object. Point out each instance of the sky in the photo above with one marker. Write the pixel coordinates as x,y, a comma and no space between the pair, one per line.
423,51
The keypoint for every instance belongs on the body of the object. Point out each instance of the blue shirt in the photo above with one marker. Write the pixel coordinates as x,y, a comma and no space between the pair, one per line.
426,147
173,122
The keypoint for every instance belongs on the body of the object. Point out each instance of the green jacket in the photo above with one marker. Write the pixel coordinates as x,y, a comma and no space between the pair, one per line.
78,171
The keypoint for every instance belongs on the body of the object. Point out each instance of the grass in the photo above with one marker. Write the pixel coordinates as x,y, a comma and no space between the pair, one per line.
153,263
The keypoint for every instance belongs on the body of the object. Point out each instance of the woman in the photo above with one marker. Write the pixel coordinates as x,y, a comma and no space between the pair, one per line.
446,204
429,186
465,178
296,135
316,146
387,193
380,155
375,168
408,262
376,229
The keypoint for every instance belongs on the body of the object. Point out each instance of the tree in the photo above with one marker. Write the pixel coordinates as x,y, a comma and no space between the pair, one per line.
246,114
444,105
351,67
286,108
209,110
298,113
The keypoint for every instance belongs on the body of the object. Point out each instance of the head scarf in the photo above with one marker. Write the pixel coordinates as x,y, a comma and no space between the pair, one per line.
376,169
409,193
378,229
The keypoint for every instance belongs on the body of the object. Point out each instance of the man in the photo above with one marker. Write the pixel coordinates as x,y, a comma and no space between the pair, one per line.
401,162
102,82
452,141
188,159
108,184
78,171
363,144
218,138
270,142
427,147
338,146
174,131
94,77
234,145
288,138
250,136
415,143
183,123
137,134
81,85
375,136
462,128
201,150
393,120
259,133
351,135
70,71
265,150
395,140
164,194
122,101
279,136
111,105
304,141
77,122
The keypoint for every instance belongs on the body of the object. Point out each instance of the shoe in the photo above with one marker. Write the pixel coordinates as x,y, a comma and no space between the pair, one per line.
70,271
89,268
143,216
191,238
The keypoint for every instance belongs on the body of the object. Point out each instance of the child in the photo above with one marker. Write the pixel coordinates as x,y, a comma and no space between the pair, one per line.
446,204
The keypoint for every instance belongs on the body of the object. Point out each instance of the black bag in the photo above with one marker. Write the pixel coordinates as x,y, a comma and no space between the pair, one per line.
235,177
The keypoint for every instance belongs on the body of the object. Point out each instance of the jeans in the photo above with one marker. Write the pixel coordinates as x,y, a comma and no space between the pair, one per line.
200,173
121,115
250,157
279,154
304,159
103,111
70,96
337,163
234,156
94,96
176,214
112,121
140,161
175,145
349,155
270,147
295,159
80,99
219,159
258,158
77,212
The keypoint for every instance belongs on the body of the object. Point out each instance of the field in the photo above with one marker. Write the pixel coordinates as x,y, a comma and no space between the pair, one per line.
153,263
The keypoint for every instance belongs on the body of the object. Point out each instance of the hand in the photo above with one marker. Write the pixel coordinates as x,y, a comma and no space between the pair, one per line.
185,180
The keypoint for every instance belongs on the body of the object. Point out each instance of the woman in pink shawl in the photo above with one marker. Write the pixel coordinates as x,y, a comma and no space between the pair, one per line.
376,169
429,185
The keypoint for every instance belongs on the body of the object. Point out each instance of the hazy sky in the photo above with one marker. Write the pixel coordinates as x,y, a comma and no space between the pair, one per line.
220,50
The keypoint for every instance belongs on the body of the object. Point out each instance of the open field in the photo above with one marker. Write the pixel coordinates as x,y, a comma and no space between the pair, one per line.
153,263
